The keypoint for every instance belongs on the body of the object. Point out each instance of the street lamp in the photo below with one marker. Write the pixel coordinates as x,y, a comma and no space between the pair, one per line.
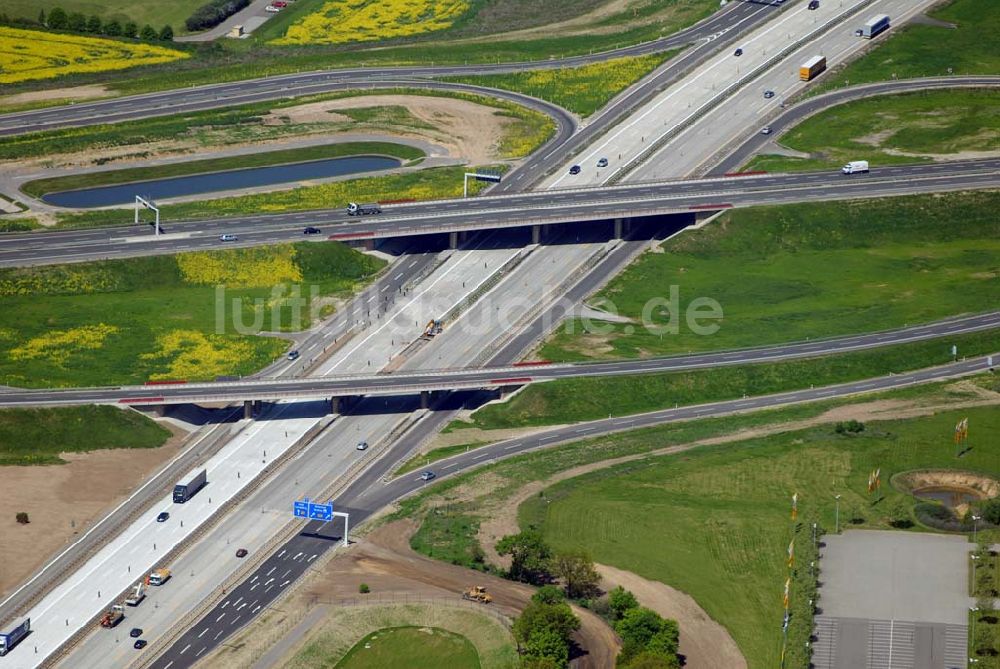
836,522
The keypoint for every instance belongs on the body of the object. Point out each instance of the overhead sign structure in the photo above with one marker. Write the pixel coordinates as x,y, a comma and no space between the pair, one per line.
301,509
148,204
322,512
492,177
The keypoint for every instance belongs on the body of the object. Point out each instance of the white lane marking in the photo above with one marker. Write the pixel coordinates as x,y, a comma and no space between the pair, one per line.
220,617
202,633
185,649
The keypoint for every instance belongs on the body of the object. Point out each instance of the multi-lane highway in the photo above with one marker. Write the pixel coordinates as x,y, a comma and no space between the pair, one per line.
585,205
366,496
400,383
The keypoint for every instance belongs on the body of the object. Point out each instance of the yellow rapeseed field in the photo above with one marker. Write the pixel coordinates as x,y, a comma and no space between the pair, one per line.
240,268
193,355
341,21
58,345
33,54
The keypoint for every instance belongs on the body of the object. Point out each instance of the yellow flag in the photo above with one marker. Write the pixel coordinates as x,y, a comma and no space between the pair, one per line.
795,506
788,583
791,553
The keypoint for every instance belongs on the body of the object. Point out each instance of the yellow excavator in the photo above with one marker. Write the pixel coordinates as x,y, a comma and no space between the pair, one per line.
477,593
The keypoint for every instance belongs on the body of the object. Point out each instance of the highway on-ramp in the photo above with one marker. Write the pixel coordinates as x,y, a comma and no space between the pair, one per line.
401,383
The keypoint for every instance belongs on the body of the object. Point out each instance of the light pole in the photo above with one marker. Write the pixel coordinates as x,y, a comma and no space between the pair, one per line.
836,522
975,529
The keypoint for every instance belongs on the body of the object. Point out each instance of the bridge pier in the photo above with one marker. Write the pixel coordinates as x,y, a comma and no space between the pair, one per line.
160,410
455,238
334,405
536,234
425,399
622,227
248,408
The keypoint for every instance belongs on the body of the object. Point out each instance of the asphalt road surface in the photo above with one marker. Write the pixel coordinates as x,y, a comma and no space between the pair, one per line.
367,495
587,205
400,383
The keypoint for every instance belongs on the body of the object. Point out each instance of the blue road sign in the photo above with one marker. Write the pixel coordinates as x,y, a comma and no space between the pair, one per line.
480,176
301,509
321,511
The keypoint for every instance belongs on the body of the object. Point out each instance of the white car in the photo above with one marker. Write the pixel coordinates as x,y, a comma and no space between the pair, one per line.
272,9
362,446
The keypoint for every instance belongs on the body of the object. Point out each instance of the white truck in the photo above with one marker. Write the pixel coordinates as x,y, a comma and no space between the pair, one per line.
855,166
355,209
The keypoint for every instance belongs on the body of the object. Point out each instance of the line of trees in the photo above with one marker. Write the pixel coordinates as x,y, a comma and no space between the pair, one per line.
213,13
77,22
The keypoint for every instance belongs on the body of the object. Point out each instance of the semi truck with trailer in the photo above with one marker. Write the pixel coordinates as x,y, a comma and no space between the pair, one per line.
855,166
355,209
190,485
809,69
10,639
875,25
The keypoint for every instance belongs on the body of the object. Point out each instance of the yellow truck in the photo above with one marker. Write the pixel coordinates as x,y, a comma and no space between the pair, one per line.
809,69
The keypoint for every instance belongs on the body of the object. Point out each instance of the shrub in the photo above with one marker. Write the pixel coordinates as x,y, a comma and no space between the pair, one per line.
899,514
94,25
167,34
364,589
621,600
991,511
21,517
213,13
849,427
57,19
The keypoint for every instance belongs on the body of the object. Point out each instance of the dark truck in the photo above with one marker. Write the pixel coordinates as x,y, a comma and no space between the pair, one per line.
191,484
10,639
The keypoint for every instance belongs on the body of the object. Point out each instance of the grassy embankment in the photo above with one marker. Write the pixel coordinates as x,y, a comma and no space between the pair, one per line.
416,647
582,90
40,187
157,14
921,50
795,272
129,321
908,128
729,503
38,436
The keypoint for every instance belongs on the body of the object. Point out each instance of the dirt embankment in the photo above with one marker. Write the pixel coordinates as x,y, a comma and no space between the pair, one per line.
385,561
62,501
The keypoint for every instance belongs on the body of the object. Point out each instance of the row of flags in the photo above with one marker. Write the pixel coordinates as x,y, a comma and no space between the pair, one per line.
962,430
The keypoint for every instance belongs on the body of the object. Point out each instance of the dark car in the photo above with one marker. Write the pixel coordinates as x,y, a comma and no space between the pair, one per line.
136,632
813,4
162,518
311,231
768,94
575,169
427,476
241,553
140,644
738,52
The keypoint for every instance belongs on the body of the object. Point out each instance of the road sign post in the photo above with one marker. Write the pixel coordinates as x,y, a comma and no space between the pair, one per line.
322,512
148,204
492,177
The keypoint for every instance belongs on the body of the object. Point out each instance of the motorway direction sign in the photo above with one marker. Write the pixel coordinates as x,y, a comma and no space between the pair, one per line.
301,508
321,511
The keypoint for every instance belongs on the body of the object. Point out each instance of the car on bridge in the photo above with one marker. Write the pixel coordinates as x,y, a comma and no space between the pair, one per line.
738,52
575,169
139,644
136,632
162,518
241,553
228,238
768,94
362,446
603,162
311,231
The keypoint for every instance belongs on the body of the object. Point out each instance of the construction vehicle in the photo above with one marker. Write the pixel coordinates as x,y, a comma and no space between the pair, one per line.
158,577
113,616
477,593
809,69
191,484
433,327
138,594
10,639
355,209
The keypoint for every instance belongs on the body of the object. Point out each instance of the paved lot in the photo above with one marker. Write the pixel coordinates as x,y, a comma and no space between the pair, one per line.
893,600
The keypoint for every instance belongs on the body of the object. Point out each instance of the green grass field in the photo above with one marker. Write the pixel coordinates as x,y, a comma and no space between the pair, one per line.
893,129
582,90
790,273
157,14
413,647
919,50
572,400
714,522
129,321
40,187
38,436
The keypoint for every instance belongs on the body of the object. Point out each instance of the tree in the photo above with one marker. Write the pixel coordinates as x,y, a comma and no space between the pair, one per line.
621,600
58,19
991,511
639,627
647,660
666,641
167,34
545,643
539,663
148,33
548,594
130,29
899,514
112,28
41,17
577,572
76,22
537,615
94,24
21,517
529,556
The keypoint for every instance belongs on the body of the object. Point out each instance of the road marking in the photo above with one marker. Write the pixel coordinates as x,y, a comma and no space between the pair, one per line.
286,573
256,609
268,581
235,620
297,556
220,617
241,607
200,651
284,584
270,572
224,605
202,633
185,649
216,638
254,586
268,589
237,601
449,466
313,557
169,664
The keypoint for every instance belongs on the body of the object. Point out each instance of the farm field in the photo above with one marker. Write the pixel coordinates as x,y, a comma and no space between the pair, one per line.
715,523
130,321
571,400
914,127
157,14
582,90
791,273
416,647
968,43
38,436
27,55
341,21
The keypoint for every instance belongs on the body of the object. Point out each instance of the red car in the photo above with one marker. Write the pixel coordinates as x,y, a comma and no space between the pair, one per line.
279,3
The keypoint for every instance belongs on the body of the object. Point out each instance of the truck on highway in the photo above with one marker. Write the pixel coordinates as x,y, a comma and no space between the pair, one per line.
138,594
190,485
855,166
113,616
158,577
875,25
812,67
10,639
355,209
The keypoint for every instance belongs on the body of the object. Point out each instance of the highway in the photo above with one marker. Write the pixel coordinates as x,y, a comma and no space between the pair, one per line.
329,385
583,205
366,496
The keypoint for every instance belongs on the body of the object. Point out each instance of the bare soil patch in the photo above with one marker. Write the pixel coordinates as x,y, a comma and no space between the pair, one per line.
704,643
71,93
63,501
981,486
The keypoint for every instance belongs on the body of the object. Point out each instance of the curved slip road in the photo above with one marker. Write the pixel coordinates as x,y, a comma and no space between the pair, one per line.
368,495
586,205
400,383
